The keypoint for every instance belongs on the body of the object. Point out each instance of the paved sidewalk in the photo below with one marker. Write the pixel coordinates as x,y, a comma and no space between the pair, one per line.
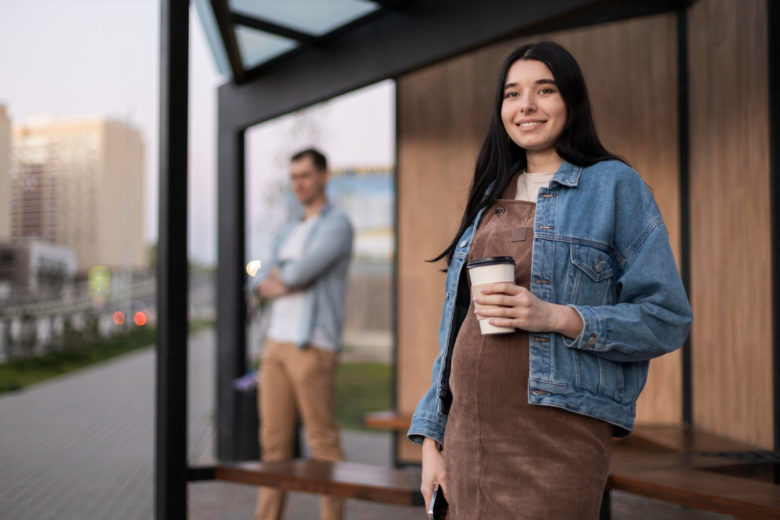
81,447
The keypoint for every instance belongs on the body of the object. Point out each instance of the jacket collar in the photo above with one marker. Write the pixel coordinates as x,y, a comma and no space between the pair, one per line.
568,174
299,214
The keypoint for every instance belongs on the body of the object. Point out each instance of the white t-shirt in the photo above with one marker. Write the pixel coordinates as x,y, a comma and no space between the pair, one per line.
287,310
528,185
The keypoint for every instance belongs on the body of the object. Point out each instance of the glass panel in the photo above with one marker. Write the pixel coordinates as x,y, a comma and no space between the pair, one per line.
316,17
356,131
259,46
211,30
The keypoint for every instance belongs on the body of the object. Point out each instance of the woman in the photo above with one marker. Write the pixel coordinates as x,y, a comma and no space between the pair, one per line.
519,425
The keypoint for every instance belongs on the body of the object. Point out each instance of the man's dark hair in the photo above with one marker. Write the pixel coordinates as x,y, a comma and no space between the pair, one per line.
317,157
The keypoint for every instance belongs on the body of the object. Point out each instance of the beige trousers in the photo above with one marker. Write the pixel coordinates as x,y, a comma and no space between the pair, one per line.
293,381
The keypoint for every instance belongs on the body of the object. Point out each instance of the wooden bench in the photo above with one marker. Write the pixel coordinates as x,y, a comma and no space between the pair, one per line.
336,479
387,420
681,465
699,489
676,464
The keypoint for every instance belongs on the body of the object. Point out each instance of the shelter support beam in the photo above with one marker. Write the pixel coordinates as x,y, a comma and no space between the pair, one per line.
172,272
773,18
231,281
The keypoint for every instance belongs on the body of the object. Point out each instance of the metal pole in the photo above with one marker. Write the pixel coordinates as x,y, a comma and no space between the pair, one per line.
685,217
773,43
172,272
231,300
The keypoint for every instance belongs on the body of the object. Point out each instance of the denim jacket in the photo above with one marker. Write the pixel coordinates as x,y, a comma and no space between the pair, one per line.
322,269
601,247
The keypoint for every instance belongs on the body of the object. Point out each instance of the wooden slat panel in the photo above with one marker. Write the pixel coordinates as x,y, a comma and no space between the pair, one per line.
443,112
632,73
442,115
730,220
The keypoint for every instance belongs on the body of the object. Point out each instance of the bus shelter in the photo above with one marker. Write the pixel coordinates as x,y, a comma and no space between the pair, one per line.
687,91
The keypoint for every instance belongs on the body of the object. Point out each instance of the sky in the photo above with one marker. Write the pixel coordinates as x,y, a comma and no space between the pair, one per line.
101,57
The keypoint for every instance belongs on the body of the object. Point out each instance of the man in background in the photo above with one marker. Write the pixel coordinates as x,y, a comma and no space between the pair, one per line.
306,286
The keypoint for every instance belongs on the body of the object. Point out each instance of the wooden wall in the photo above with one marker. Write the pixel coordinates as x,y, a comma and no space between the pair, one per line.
443,113
730,220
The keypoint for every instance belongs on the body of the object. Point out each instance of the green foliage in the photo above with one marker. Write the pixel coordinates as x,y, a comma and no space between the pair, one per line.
81,349
72,338
29,335
362,388
18,373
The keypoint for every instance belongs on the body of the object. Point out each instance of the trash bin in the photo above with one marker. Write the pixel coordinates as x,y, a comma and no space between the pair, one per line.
247,446
247,432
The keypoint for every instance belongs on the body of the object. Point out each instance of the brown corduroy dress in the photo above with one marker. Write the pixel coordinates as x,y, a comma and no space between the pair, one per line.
505,458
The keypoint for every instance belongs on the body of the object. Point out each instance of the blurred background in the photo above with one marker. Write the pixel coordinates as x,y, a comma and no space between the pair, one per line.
78,172
79,130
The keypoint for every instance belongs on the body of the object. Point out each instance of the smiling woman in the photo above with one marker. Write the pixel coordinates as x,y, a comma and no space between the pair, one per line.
518,424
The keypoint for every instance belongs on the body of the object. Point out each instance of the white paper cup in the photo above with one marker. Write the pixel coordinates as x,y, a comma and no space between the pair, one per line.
483,271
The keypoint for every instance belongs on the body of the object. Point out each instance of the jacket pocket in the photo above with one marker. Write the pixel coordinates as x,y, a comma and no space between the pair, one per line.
600,377
591,277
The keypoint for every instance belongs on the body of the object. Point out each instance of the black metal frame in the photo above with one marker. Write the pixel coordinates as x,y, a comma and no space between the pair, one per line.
223,17
412,36
231,279
262,25
773,18
394,294
683,129
172,273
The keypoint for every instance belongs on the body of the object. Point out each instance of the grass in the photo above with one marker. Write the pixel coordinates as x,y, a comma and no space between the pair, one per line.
360,388
18,373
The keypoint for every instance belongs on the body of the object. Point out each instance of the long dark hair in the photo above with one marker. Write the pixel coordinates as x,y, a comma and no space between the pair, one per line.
578,143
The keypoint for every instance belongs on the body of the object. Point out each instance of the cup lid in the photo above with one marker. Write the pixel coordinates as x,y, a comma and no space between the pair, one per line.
490,260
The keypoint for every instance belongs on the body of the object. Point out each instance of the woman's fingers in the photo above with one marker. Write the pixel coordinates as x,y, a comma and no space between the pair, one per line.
501,287
505,294
510,305
497,312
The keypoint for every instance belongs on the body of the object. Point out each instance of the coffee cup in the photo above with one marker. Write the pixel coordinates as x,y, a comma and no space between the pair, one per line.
484,271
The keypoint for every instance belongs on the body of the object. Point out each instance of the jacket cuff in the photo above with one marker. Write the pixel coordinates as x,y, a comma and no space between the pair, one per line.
425,424
594,331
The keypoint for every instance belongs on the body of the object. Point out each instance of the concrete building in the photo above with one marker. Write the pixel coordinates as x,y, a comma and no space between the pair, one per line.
79,182
5,167
35,268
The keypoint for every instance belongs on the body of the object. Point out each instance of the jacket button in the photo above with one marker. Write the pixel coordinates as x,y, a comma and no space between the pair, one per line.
499,210
463,243
592,340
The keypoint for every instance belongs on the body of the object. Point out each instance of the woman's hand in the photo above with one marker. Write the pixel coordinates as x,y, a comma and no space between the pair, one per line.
520,308
432,470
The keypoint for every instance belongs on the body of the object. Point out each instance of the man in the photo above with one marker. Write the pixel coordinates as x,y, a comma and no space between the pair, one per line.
306,285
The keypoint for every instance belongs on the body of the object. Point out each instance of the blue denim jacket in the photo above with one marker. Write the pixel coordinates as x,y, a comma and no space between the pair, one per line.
601,247
322,270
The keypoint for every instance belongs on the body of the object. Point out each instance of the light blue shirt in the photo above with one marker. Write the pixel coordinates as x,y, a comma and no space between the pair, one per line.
601,247
321,270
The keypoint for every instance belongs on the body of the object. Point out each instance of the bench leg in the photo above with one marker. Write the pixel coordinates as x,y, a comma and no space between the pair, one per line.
606,506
